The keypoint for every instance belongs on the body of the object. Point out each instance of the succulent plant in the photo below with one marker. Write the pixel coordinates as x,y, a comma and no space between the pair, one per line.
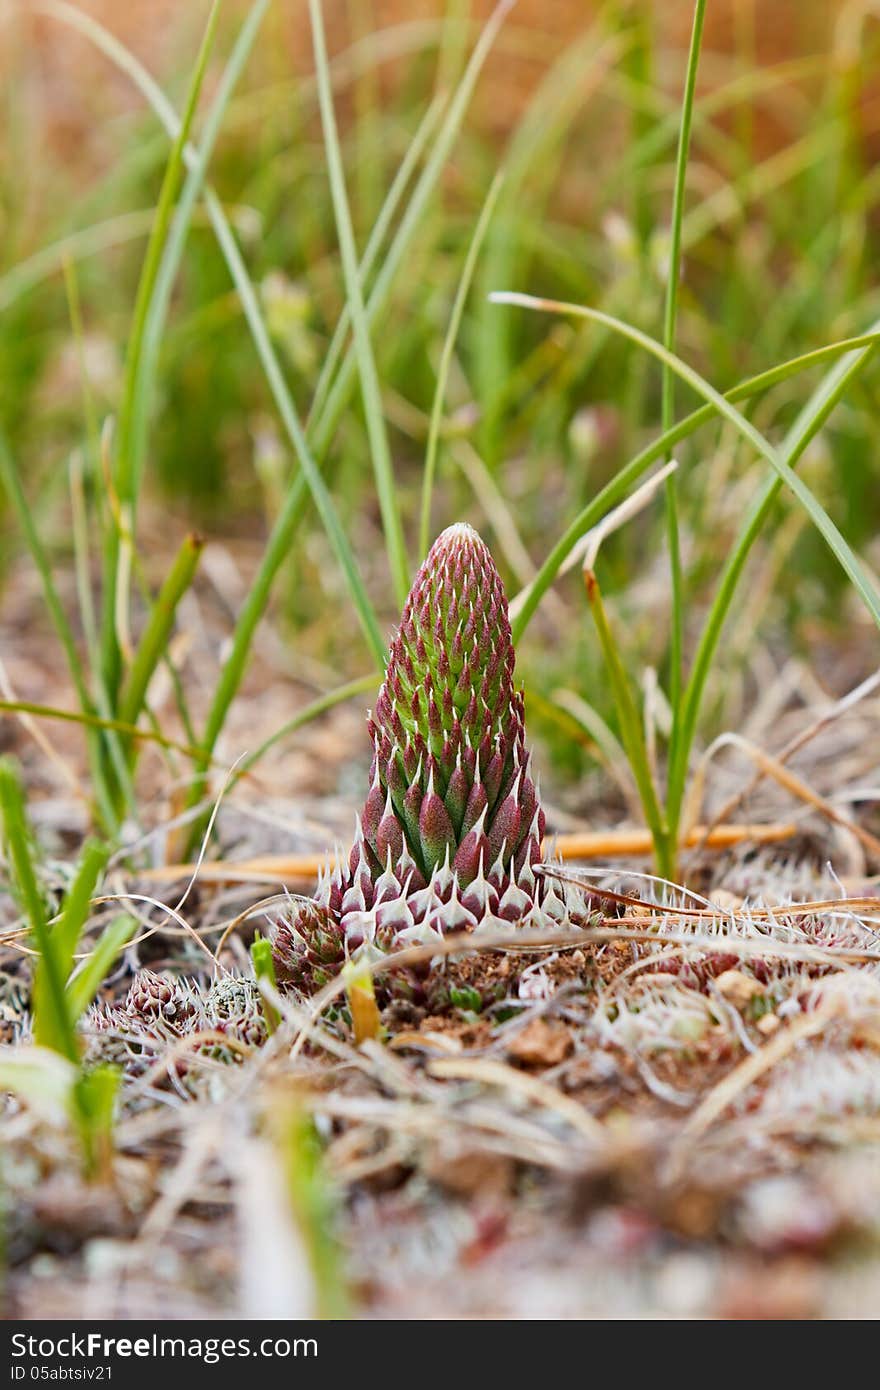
233,1006
452,825
152,997
159,1009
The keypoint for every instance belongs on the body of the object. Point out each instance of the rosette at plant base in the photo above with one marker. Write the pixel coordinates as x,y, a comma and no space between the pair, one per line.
452,826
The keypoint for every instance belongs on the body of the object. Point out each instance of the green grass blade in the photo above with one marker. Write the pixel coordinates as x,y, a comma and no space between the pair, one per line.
670,318
126,468
94,1104
126,465
157,310
328,419
631,732
526,603
305,716
97,721
805,427
371,394
88,241
15,493
382,226
313,1203
57,1029
88,979
464,286
79,514
836,543
264,969
152,645
66,932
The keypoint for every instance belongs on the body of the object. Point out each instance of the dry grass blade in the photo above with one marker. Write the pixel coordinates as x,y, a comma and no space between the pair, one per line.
493,1073
773,767
794,745
831,906
758,947
603,844
587,549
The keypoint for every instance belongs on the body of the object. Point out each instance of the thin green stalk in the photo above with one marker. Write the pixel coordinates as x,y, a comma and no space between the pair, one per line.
836,543
264,969
64,937
66,932
19,850
667,416
526,603
312,1201
305,716
172,252
449,341
383,224
804,429
85,984
154,640
126,468
371,394
97,721
631,731
94,1104
14,491
74,310
453,43
326,422
80,529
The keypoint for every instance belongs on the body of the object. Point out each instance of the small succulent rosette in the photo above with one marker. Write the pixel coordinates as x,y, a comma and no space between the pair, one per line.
452,827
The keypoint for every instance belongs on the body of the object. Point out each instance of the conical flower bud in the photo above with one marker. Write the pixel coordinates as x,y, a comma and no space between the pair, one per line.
449,693
452,823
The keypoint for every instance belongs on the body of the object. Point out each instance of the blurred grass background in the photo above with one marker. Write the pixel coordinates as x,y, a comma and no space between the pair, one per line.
580,105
